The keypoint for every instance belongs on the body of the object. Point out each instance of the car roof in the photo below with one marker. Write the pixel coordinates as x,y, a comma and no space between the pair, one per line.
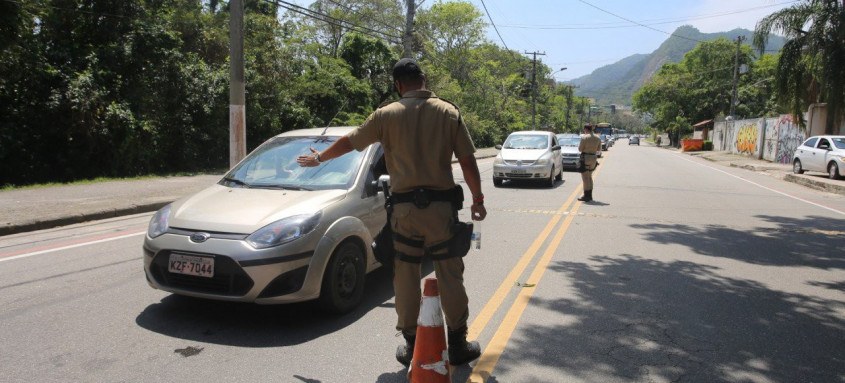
330,131
521,132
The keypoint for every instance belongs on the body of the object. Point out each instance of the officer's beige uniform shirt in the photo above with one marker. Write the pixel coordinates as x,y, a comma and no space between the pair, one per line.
420,133
590,143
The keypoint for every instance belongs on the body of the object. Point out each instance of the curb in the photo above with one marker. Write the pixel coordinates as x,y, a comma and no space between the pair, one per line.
813,184
70,220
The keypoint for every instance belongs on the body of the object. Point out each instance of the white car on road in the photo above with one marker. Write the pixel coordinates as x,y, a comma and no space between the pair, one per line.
821,154
528,155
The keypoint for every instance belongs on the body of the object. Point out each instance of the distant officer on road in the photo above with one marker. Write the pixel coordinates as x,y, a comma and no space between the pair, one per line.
420,134
589,146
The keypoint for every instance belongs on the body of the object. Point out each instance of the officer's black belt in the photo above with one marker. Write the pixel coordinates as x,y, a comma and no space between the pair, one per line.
430,194
589,154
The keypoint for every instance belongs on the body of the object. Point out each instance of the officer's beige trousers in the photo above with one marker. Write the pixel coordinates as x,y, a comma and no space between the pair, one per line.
432,225
587,176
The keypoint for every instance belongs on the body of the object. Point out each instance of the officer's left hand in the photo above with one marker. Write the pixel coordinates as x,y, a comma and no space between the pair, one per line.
479,212
308,161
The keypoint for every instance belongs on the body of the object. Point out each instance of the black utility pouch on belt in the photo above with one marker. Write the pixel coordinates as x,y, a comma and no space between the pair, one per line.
461,239
582,165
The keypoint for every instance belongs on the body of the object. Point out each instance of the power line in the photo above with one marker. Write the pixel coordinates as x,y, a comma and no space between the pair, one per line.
593,26
350,9
494,25
638,23
333,20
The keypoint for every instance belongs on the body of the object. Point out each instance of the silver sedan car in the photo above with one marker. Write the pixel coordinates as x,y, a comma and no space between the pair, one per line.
273,232
528,155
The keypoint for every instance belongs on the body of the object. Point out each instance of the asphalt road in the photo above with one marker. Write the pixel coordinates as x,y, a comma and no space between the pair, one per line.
681,270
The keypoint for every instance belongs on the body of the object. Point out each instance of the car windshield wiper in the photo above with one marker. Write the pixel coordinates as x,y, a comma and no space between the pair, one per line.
236,182
286,187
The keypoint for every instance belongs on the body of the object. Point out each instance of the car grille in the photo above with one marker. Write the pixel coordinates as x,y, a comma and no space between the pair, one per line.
570,155
522,175
519,162
229,278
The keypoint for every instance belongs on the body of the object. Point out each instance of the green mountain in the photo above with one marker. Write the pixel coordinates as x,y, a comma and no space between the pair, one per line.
617,82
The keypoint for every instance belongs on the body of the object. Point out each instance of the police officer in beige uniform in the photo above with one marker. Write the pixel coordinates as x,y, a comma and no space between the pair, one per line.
589,146
420,133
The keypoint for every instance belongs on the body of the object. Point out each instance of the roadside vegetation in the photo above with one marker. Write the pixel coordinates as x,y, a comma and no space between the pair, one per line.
809,69
122,88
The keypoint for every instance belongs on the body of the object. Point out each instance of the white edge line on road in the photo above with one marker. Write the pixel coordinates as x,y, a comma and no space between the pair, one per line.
764,187
71,246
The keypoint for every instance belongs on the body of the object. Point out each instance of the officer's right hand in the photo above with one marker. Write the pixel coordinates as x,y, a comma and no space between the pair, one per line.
478,212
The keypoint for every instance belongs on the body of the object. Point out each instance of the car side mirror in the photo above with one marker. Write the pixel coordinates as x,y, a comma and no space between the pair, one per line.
382,183
556,147
499,147
375,186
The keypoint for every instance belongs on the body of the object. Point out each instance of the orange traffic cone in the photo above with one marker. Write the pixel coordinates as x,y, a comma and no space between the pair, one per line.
431,358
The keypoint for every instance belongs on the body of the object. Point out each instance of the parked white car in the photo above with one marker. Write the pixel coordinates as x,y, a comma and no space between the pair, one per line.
528,155
821,154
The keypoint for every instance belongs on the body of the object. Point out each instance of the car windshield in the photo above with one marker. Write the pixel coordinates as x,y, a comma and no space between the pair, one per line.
273,166
570,141
527,141
838,142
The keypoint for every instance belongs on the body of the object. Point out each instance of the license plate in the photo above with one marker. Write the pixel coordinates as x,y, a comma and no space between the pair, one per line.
191,265
518,171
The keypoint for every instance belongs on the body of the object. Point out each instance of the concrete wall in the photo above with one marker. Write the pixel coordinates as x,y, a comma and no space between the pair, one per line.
773,139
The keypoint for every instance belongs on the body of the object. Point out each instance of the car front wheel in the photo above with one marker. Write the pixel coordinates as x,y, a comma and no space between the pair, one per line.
551,181
497,181
343,280
796,167
833,171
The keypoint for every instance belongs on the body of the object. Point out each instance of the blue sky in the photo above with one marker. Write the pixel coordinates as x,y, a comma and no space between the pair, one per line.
576,35
583,35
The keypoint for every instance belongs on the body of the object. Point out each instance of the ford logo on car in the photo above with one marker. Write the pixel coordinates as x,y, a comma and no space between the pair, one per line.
200,237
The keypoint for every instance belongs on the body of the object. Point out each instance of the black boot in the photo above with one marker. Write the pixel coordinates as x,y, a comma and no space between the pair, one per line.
405,352
587,197
460,351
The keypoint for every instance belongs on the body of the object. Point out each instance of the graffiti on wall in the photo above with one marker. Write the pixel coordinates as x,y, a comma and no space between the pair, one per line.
746,139
790,137
770,139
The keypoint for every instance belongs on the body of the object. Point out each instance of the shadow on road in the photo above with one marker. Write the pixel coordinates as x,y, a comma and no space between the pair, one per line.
792,242
637,319
251,325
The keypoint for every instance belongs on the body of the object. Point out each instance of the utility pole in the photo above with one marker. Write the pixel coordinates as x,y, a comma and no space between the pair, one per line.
408,37
534,88
739,40
237,90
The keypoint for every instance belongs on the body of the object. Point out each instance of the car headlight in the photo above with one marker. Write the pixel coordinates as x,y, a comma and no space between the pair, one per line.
499,160
542,161
284,230
159,223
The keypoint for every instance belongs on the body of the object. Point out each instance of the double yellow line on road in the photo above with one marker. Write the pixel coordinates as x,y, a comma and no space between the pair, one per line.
490,357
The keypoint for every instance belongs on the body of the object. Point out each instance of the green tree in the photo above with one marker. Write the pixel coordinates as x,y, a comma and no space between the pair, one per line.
811,67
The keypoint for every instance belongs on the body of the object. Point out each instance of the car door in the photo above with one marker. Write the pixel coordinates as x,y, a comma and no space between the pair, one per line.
819,154
557,156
